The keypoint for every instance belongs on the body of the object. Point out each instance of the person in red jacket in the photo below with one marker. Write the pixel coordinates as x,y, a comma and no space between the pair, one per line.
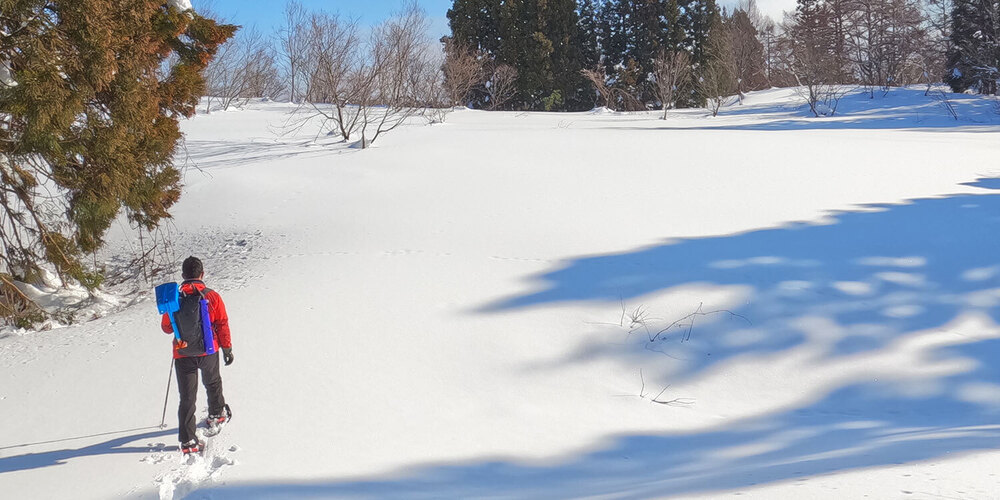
188,366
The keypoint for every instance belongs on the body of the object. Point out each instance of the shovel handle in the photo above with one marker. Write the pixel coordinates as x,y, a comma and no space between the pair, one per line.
177,333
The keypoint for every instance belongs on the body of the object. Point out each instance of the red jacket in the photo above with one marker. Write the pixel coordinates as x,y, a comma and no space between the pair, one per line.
216,313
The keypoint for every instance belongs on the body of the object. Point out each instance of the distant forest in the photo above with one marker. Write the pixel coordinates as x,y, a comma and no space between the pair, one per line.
642,54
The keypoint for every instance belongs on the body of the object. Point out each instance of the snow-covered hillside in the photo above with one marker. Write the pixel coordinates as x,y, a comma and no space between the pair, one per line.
531,305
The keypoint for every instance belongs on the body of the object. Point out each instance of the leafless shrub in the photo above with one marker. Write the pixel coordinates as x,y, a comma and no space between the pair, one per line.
462,70
612,97
336,80
883,38
598,80
15,307
813,73
244,68
502,85
293,45
671,71
368,88
716,83
397,72
942,97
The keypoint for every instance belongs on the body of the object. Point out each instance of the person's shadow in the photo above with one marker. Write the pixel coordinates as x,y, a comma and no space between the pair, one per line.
116,445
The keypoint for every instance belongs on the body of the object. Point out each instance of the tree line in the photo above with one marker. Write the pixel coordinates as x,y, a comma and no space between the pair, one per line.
643,54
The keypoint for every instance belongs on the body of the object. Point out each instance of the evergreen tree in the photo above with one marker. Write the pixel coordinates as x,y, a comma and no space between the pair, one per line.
613,16
675,33
647,29
588,34
561,27
476,24
974,57
538,38
699,18
91,122
717,75
747,52
525,46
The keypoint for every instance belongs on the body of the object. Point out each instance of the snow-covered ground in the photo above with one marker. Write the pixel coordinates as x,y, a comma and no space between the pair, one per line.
530,305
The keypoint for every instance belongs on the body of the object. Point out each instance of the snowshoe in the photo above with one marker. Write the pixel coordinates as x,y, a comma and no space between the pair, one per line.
216,422
193,446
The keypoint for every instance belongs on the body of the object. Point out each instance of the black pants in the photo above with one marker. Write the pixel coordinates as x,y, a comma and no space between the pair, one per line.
187,382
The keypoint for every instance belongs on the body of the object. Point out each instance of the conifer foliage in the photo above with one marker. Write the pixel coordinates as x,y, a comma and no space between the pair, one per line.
646,54
974,53
540,39
89,111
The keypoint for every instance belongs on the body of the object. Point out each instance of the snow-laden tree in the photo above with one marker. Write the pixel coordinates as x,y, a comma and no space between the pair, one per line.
974,58
89,129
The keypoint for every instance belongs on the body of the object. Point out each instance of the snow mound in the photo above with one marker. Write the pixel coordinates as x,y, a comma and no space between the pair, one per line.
181,5
602,110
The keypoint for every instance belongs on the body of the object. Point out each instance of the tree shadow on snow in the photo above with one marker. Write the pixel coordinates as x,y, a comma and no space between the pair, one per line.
211,155
873,275
836,434
901,109
891,274
58,457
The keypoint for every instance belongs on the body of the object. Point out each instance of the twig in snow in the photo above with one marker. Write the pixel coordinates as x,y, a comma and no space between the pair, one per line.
621,322
672,402
698,312
675,402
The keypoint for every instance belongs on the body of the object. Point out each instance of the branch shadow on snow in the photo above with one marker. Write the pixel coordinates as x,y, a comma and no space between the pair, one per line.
29,461
886,276
900,109
210,155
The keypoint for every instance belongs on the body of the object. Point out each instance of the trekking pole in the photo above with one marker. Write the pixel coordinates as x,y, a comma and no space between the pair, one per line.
170,377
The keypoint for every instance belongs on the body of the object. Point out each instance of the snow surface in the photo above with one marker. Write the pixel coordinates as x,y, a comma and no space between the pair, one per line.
466,310
181,5
5,77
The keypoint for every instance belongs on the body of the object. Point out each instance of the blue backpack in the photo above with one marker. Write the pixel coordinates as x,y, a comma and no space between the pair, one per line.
189,317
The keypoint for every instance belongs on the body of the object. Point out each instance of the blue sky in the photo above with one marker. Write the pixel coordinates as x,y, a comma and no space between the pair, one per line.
267,14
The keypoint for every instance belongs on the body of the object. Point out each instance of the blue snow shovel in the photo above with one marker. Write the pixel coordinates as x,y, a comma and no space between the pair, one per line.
168,302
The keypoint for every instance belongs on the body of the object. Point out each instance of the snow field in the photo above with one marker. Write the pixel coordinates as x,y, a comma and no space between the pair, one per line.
446,311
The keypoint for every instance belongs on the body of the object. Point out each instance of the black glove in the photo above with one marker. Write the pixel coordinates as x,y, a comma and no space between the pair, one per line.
227,354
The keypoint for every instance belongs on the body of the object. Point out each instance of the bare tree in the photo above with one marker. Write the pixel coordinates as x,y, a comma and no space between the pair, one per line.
885,40
336,80
462,70
243,68
293,42
717,77
808,55
502,85
671,71
369,88
398,61
597,79
614,98
937,41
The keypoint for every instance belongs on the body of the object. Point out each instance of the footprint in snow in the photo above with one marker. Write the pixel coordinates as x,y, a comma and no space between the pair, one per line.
194,470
